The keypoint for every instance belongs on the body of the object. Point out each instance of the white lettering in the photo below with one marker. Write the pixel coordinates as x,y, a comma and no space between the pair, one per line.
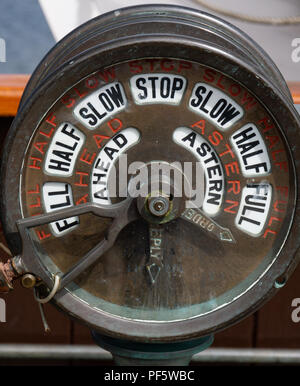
210,162
58,195
215,105
104,165
251,150
63,151
101,105
296,51
157,88
254,208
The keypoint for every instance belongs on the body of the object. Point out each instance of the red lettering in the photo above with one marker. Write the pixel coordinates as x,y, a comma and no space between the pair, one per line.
49,133
235,187
165,67
91,82
107,75
151,62
184,65
209,75
99,139
234,89
233,204
37,204
39,146
135,67
277,205
283,166
233,168
269,231
43,235
200,125
284,190
86,157
81,176
35,162
273,140
273,218
36,191
215,138
219,82
81,95
274,152
266,123
51,120
68,101
248,101
115,125
228,151
82,200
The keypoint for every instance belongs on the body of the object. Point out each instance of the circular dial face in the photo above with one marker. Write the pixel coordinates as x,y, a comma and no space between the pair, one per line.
179,257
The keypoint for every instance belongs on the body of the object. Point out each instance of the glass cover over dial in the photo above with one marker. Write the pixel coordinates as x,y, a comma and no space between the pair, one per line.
177,257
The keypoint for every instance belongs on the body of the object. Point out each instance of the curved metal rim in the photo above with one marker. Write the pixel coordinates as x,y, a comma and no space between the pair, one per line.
113,54
169,12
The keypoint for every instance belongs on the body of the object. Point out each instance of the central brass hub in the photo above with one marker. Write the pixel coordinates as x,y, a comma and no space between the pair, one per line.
158,206
165,196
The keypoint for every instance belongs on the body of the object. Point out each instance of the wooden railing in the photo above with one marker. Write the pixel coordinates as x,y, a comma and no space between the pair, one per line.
11,90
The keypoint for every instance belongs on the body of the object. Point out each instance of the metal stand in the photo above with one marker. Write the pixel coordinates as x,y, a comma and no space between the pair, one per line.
127,353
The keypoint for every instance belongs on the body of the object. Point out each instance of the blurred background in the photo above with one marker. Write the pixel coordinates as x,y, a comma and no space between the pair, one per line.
24,26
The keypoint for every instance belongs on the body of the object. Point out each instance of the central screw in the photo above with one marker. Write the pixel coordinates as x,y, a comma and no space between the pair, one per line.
158,206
